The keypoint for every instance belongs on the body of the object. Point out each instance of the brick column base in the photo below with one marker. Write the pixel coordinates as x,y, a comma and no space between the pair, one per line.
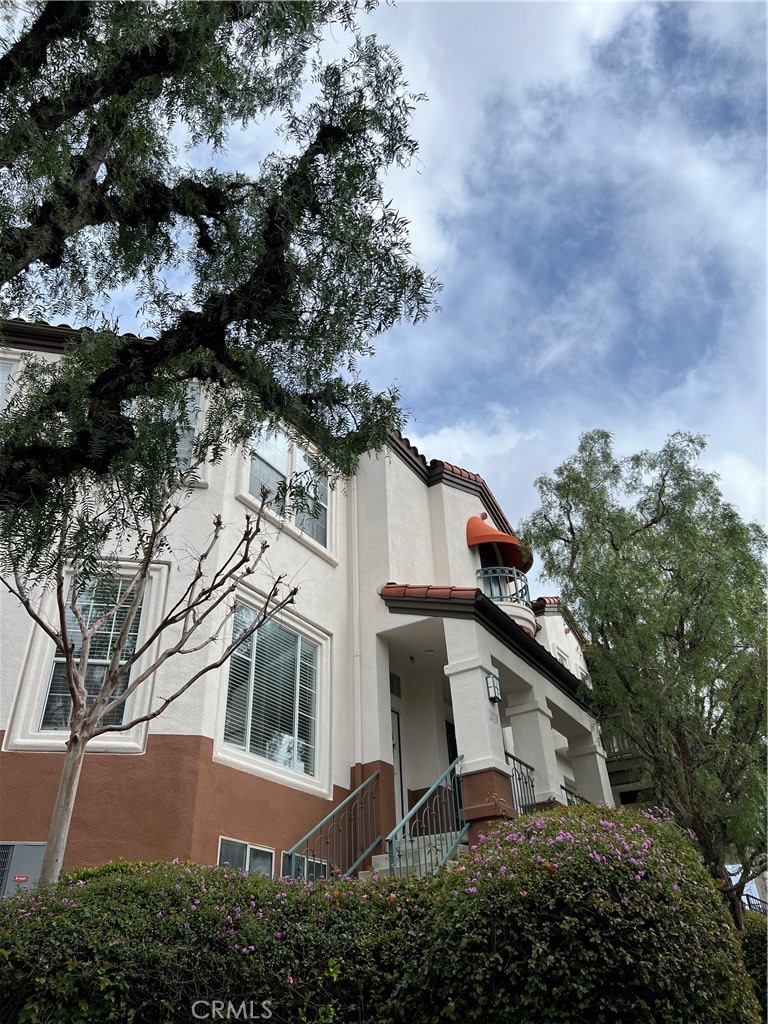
487,800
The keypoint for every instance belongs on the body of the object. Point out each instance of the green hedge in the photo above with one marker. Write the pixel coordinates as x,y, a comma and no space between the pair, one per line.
575,915
754,942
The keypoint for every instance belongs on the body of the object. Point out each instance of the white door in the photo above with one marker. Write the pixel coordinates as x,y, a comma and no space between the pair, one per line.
397,761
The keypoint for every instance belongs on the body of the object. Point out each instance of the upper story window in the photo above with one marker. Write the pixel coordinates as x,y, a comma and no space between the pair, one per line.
274,462
6,369
272,695
96,601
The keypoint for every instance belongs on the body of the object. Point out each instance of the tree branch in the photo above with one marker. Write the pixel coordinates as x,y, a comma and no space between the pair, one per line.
151,64
264,297
30,52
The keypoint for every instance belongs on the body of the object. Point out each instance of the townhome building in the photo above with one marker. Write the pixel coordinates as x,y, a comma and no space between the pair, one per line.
412,694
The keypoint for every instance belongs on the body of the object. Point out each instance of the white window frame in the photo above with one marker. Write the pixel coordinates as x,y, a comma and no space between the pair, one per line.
304,862
290,525
24,732
253,764
58,659
248,847
289,697
5,388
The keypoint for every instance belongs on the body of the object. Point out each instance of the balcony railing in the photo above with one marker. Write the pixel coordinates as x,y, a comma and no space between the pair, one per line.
521,782
754,903
505,585
573,799
338,844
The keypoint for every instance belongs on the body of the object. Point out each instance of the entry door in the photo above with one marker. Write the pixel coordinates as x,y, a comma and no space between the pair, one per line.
397,761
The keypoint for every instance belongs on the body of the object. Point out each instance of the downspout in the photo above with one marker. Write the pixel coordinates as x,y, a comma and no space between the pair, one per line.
355,642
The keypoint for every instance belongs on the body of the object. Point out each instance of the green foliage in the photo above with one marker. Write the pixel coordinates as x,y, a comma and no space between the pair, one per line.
265,288
754,943
668,583
573,915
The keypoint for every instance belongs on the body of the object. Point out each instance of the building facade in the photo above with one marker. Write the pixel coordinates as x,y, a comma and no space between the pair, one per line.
413,642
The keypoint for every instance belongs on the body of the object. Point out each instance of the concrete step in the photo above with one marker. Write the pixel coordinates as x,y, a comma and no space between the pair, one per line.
417,856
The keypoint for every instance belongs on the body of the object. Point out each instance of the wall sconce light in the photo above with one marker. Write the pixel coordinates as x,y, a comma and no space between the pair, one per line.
494,689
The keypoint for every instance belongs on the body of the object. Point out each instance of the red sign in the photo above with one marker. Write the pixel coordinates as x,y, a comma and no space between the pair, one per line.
21,878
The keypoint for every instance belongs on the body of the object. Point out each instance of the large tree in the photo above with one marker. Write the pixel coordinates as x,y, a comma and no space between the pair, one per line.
258,290
263,284
668,583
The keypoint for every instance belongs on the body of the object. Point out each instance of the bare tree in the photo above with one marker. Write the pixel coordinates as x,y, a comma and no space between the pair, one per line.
97,612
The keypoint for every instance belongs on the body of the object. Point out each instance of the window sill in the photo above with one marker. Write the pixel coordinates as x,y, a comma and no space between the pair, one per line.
286,527
254,765
55,741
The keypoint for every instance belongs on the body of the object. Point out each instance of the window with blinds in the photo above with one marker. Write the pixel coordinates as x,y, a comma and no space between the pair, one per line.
6,368
93,603
314,521
272,695
185,449
270,466
274,460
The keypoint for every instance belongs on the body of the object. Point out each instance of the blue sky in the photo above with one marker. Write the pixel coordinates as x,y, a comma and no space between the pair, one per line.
591,192
590,189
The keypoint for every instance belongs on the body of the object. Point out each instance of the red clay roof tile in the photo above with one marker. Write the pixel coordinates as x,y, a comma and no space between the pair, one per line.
430,591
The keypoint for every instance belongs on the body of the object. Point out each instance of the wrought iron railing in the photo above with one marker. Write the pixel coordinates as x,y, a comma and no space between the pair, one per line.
756,904
504,584
339,844
574,799
617,743
522,785
431,831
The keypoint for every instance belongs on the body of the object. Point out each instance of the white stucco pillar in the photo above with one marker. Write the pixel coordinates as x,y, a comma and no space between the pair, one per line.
531,724
477,721
761,884
590,774
487,794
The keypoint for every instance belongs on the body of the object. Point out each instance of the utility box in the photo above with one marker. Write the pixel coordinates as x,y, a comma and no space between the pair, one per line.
20,865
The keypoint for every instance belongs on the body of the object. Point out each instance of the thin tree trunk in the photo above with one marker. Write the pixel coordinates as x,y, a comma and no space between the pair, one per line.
736,907
62,811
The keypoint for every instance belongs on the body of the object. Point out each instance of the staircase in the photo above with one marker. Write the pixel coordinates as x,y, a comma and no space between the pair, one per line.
430,835
340,843
417,856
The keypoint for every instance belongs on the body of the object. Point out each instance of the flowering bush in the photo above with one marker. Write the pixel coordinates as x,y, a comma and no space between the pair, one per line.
754,941
572,915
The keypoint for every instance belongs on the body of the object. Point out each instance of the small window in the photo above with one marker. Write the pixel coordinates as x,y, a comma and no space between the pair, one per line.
270,465
6,369
314,521
94,602
274,461
185,449
311,868
254,859
394,685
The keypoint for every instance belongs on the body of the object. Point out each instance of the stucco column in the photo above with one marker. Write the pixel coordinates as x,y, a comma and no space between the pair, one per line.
531,724
590,774
484,771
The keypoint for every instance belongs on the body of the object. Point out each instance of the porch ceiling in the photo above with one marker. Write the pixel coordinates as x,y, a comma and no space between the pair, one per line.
422,641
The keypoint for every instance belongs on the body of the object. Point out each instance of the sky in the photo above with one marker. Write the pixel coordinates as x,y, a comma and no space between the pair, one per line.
590,190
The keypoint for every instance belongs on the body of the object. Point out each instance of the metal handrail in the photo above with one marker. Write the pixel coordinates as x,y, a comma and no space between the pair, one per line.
339,843
430,832
756,904
505,584
574,799
522,784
